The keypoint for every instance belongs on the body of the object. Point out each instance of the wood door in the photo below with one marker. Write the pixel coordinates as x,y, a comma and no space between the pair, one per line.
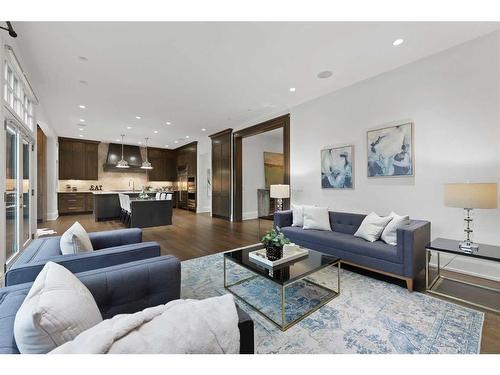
41,175
221,174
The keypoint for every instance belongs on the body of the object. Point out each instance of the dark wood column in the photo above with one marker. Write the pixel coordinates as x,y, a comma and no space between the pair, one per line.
221,174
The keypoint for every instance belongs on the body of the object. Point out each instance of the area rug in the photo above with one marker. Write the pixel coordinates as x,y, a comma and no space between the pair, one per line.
369,315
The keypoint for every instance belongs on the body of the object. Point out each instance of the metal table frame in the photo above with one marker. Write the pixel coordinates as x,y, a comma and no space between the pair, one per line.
431,285
284,325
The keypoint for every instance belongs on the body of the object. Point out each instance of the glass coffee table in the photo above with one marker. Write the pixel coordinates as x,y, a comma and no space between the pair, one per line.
288,293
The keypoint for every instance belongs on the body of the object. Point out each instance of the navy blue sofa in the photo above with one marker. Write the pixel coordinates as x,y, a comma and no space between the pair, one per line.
111,248
404,261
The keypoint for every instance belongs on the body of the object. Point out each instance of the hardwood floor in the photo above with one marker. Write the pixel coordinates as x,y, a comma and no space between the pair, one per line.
195,235
190,235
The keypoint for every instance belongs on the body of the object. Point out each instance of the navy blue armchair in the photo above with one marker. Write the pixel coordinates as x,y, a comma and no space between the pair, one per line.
122,289
110,248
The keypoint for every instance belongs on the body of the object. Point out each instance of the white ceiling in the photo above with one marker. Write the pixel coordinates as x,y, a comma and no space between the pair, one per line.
207,75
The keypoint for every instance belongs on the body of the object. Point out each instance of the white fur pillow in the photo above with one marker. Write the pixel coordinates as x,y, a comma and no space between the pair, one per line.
75,240
297,215
389,235
372,227
316,218
58,308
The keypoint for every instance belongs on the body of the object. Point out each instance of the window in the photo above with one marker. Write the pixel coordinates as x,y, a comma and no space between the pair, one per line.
15,95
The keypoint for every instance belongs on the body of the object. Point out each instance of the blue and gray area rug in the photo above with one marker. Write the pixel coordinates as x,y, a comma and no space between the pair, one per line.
369,316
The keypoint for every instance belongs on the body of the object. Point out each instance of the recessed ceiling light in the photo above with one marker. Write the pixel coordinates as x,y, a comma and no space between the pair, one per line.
81,135
82,120
117,140
167,146
398,42
187,136
292,89
83,58
139,143
176,141
156,132
138,117
203,129
129,127
168,123
325,74
81,129
82,106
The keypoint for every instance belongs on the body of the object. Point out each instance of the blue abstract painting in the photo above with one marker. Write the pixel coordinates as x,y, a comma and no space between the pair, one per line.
337,167
390,151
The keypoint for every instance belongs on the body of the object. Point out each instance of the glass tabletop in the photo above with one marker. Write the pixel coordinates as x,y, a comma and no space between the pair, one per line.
284,273
488,252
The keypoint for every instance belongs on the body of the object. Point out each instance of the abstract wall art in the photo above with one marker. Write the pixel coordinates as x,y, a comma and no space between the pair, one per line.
337,167
390,151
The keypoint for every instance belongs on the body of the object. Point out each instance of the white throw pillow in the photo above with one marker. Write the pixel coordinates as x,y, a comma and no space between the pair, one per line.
58,308
297,215
389,235
372,227
75,240
316,218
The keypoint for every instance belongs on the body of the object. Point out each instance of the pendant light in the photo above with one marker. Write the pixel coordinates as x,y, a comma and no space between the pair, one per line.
146,164
122,163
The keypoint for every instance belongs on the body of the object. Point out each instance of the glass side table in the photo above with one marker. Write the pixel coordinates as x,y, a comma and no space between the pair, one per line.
443,279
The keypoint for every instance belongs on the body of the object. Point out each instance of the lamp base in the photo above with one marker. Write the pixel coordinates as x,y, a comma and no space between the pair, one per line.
468,247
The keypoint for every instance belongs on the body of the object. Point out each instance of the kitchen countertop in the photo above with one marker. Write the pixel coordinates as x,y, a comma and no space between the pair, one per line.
102,192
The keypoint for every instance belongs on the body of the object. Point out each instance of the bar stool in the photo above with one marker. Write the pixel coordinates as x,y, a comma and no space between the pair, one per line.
169,197
163,196
158,196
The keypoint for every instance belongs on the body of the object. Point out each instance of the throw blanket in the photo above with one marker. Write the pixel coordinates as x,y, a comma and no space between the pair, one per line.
179,327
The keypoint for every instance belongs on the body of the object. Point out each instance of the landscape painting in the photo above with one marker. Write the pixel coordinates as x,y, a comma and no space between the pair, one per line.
337,167
390,151
274,168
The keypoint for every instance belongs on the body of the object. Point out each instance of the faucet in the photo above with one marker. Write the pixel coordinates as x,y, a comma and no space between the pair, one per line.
133,185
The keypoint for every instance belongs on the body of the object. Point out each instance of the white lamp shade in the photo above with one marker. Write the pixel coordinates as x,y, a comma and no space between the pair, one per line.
464,195
280,191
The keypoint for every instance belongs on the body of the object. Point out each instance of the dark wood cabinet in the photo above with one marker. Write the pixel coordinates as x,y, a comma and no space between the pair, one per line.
78,160
163,163
74,203
221,174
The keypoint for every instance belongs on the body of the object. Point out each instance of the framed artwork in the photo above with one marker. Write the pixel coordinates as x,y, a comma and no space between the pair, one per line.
274,168
337,167
390,151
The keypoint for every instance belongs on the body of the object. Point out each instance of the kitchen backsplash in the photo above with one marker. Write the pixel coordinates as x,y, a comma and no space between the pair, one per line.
115,180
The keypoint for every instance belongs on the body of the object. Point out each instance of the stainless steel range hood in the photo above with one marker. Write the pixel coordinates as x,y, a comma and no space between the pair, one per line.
132,154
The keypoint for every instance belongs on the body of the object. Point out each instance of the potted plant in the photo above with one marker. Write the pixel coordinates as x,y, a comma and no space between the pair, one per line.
274,240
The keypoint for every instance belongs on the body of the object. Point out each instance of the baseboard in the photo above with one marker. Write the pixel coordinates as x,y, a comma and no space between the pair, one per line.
250,215
52,215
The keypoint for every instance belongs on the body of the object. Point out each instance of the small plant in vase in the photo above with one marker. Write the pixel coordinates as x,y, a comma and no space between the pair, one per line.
274,240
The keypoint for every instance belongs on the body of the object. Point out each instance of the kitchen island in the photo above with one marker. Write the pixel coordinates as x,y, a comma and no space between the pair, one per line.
150,213
145,212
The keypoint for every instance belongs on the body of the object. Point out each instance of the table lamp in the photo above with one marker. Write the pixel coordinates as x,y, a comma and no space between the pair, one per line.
279,192
469,196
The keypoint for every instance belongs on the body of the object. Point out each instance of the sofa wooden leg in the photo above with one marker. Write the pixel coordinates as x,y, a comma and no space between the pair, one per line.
409,284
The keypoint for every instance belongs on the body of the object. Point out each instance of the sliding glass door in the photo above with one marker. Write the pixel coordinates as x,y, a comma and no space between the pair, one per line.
11,194
18,190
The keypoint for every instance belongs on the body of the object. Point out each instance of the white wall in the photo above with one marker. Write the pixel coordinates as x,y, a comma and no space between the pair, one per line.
253,167
453,98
